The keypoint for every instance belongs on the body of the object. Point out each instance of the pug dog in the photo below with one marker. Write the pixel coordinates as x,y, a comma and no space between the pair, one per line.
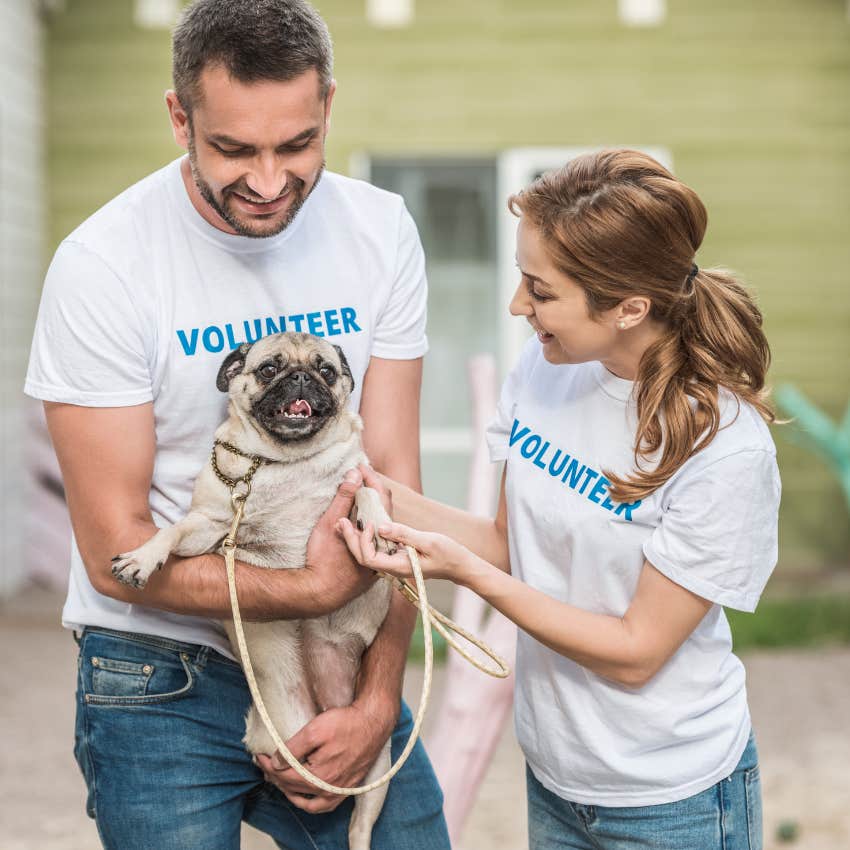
288,405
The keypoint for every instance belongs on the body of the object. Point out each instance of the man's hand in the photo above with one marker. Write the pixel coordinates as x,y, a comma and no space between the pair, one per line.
335,577
339,746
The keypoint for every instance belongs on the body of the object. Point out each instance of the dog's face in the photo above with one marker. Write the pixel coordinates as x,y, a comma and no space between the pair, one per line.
291,384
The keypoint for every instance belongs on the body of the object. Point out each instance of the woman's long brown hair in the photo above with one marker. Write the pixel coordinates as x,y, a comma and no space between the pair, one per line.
619,224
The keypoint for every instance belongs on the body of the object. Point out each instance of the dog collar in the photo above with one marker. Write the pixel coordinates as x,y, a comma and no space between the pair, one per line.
256,462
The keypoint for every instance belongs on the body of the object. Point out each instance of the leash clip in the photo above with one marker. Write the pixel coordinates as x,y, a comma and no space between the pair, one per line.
238,497
237,500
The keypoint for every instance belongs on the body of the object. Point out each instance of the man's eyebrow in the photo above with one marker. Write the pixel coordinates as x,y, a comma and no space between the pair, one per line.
303,136
223,139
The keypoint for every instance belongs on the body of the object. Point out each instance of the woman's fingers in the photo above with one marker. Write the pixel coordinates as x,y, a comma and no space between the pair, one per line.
396,565
406,535
362,546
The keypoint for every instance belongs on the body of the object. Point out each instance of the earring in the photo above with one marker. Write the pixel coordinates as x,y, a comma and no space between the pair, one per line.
621,325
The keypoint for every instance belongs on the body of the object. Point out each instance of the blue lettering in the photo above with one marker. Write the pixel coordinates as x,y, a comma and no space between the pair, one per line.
554,469
517,435
627,507
208,336
349,319
189,345
230,339
538,461
214,338
258,331
332,322
574,473
589,476
598,489
529,447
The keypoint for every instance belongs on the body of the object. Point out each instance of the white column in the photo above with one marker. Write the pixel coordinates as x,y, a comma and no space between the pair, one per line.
22,215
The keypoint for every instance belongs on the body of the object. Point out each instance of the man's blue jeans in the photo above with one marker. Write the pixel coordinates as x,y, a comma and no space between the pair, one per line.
158,739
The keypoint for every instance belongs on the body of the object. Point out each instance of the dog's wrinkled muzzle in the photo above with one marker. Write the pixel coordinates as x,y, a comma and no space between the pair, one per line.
295,407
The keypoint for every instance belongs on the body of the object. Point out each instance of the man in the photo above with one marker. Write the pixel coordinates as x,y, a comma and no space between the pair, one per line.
242,238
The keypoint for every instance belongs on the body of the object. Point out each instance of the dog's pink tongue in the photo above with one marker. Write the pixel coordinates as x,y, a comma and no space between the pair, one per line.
300,406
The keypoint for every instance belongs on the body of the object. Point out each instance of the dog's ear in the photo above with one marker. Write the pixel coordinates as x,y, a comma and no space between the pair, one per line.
232,366
346,369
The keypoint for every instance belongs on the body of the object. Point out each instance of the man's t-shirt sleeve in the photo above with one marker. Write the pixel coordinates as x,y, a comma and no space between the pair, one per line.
718,531
88,347
400,328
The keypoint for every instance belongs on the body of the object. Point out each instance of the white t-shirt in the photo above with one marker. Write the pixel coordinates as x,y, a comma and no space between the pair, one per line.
145,299
712,528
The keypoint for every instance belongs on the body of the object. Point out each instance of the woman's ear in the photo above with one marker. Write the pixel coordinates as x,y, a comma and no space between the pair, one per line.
632,311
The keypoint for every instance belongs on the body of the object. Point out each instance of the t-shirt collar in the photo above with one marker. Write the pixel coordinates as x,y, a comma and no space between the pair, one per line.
616,387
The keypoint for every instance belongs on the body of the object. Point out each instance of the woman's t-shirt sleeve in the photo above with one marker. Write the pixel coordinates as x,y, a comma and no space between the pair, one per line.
89,347
499,430
718,531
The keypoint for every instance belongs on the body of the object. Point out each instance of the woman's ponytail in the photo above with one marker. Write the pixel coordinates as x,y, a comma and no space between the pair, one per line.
716,342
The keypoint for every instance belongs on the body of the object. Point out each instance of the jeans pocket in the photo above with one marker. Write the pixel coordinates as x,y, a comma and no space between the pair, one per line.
111,677
752,789
119,682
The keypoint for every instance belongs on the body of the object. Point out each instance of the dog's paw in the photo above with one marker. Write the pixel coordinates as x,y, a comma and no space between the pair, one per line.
368,508
389,547
136,567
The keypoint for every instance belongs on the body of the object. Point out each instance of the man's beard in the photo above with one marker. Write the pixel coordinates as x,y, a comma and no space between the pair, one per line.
294,185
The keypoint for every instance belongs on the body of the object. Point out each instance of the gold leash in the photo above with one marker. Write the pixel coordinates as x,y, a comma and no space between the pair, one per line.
416,596
444,625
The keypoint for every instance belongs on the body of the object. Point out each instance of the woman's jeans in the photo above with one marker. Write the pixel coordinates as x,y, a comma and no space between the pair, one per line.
726,816
158,739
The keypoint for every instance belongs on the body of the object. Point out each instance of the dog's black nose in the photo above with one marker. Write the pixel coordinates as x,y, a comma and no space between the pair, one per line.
300,378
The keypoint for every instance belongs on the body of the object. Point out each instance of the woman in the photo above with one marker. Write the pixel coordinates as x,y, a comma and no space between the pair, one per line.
640,495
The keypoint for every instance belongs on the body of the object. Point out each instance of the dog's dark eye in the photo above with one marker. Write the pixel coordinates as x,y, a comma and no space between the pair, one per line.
327,372
267,371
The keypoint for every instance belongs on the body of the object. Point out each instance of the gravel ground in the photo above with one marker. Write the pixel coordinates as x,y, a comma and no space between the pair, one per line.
800,703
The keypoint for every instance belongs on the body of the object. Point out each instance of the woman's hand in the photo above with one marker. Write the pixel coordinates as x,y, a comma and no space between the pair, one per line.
439,556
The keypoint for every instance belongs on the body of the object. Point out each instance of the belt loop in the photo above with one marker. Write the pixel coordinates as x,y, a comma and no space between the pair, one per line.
201,657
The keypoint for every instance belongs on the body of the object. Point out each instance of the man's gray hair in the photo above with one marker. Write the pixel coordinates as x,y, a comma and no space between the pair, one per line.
253,40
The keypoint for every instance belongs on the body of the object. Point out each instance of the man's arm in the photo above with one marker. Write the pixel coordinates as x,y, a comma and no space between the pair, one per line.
343,743
106,456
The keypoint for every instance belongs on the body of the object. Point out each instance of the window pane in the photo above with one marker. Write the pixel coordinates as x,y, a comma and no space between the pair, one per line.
453,202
